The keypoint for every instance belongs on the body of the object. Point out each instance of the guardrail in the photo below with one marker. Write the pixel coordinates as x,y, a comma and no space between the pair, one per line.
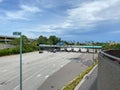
109,70
111,54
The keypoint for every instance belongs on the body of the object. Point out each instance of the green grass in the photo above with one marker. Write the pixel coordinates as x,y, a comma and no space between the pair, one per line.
76,81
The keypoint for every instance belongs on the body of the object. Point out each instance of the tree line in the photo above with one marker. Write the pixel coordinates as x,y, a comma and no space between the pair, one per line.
53,40
29,45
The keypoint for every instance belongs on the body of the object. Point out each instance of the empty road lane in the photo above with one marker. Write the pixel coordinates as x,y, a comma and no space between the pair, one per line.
36,69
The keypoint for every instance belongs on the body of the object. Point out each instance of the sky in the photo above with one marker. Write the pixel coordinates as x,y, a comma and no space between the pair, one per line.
71,20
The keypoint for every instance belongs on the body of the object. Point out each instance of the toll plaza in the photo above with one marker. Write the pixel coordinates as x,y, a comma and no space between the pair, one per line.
70,48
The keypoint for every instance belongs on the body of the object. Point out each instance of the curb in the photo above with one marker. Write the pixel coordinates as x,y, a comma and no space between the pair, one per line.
85,77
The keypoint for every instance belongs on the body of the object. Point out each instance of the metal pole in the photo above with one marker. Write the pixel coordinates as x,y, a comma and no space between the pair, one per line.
93,53
20,61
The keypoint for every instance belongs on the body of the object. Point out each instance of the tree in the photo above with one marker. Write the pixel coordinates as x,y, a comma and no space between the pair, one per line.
78,43
42,40
54,40
25,40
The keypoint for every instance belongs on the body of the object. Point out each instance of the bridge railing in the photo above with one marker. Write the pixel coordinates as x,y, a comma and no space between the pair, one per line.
109,70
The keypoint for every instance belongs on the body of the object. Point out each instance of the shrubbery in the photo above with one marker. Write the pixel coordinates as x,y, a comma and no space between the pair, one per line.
111,46
16,50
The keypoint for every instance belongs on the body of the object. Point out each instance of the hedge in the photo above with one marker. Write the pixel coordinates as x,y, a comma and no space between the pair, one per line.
16,50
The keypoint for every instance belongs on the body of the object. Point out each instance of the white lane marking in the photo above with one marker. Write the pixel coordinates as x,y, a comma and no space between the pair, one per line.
5,70
36,73
39,75
61,65
24,81
46,76
26,71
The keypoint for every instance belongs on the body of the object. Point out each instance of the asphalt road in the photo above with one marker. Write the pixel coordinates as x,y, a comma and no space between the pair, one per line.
67,73
37,68
91,82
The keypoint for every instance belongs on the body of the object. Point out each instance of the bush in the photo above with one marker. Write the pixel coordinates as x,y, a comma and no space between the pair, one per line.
111,46
16,50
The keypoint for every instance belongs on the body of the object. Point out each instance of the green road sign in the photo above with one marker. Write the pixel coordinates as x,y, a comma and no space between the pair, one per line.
16,33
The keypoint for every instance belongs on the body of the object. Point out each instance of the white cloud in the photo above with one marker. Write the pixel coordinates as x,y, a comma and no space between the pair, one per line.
16,15
115,32
85,16
32,9
88,14
22,13
82,17
46,29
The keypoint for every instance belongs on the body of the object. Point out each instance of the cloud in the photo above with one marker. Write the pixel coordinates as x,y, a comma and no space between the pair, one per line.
32,9
84,17
80,18
115,32
51,29
24,11
15,15
89,14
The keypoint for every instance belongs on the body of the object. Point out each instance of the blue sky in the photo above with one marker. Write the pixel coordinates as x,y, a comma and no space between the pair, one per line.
72,20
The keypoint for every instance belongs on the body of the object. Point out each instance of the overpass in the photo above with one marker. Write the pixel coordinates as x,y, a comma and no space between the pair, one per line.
6,39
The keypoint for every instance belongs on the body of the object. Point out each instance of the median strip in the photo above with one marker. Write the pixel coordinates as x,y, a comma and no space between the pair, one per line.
72,84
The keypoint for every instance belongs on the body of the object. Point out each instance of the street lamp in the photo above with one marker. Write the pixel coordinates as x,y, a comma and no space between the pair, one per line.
20,34
93,52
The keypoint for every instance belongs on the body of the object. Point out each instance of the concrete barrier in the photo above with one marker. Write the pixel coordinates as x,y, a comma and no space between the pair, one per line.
109,70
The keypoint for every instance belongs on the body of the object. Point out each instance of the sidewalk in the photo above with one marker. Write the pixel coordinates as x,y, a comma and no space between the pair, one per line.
89,82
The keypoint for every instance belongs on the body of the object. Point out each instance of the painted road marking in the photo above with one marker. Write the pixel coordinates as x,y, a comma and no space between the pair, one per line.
39,75
46,76
61,65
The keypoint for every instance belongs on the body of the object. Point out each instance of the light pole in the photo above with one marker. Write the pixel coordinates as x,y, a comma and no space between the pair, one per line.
20,34
93,52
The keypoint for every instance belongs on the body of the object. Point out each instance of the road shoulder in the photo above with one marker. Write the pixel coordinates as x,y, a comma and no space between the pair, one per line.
89,81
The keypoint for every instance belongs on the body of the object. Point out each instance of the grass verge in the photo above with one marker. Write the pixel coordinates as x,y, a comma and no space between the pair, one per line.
76,81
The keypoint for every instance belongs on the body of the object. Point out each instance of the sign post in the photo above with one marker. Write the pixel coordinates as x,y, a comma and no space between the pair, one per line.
20,34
